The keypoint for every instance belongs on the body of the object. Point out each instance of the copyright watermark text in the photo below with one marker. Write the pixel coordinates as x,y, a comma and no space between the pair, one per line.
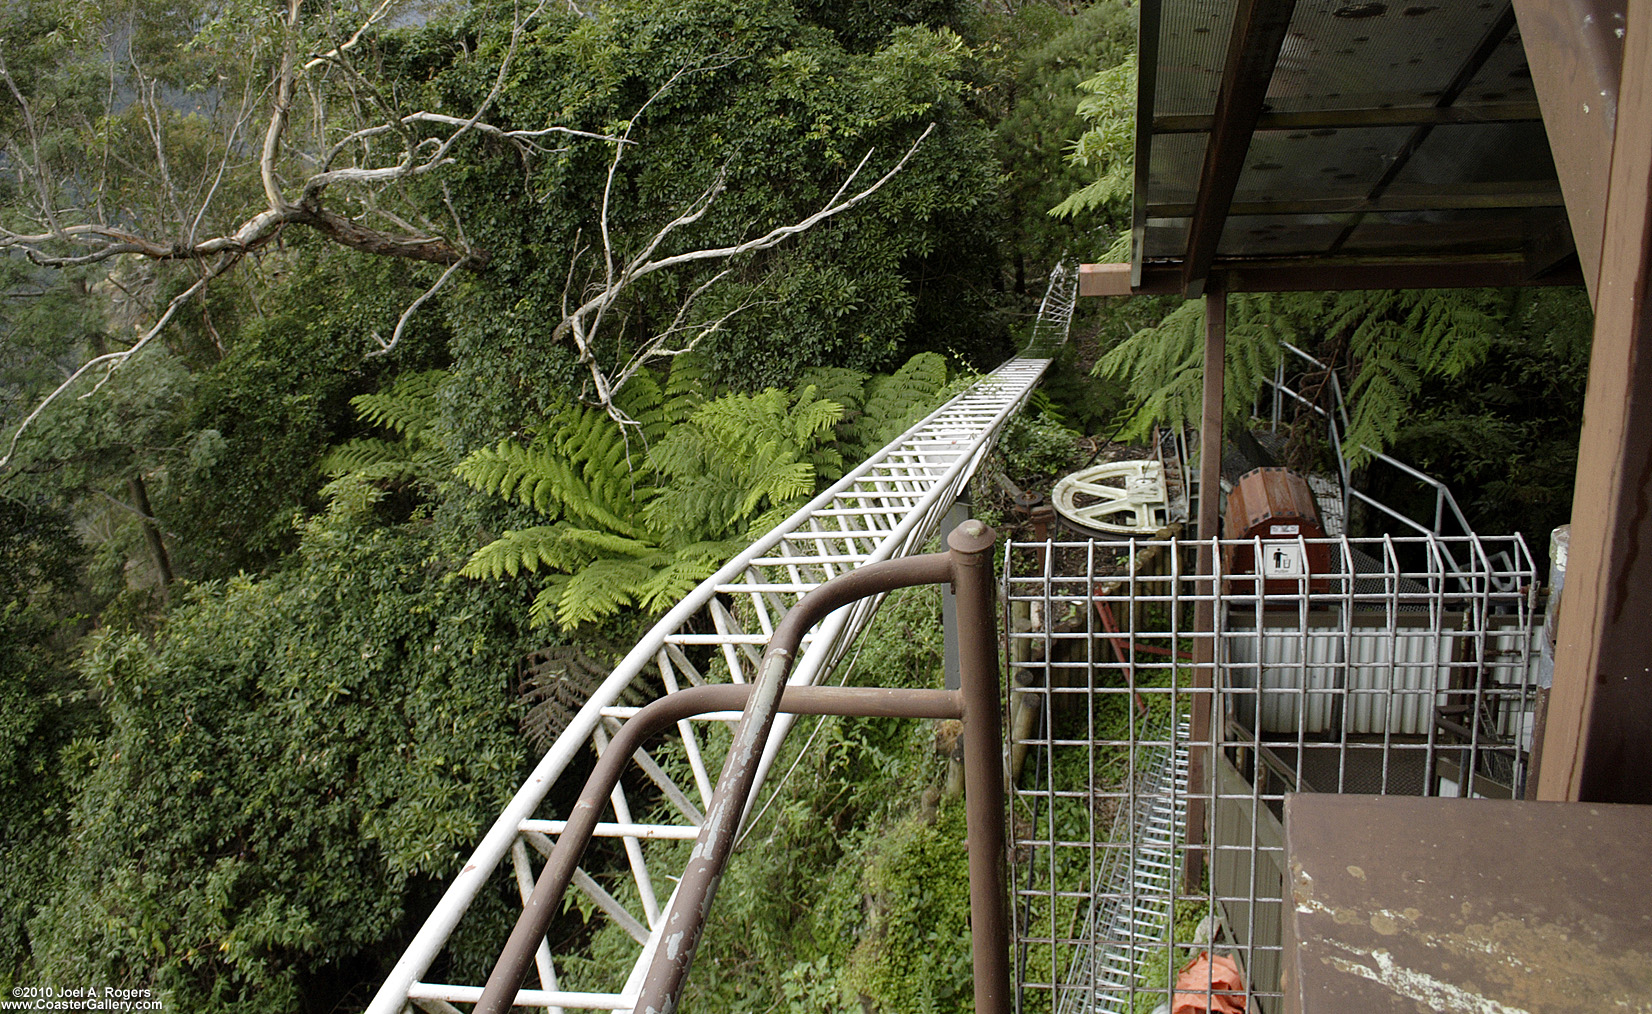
110,999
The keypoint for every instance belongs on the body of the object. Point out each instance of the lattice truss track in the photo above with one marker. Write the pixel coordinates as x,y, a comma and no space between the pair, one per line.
887,508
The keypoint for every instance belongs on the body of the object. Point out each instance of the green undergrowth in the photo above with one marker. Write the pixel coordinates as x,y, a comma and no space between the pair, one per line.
849,891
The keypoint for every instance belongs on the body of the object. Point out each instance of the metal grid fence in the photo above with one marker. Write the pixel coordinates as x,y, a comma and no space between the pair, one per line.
1397,670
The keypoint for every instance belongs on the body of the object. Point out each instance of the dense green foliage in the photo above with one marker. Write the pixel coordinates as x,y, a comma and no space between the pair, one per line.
263,589
254,710
289,764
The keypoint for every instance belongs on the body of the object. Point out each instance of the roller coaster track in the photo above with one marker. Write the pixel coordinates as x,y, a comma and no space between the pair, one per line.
886,508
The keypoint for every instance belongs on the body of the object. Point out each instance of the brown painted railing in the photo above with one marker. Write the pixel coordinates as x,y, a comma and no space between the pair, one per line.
968,567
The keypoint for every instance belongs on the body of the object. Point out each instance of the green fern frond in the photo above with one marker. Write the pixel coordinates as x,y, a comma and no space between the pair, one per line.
360,453
514,552
687,387
600,590
812,418
893,403
350,495
672,582
512,471
598,543
836,383
543,610
782,482
408,408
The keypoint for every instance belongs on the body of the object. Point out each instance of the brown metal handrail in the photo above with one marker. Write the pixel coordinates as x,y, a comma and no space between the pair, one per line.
968,567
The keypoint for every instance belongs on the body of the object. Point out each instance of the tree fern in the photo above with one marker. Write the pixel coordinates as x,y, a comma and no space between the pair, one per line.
408,408
1385,343
1108,146
637,514
366,467
894,402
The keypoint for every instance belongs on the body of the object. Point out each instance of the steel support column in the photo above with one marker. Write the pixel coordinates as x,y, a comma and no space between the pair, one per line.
1204,624
1598,738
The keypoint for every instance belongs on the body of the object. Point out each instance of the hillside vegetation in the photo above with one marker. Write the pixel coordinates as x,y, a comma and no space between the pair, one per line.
355,355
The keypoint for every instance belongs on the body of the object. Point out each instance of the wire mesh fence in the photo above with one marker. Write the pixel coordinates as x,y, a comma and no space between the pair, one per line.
1152,757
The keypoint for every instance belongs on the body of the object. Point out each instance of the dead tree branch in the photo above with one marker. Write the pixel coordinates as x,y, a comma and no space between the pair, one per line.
583,324
112,361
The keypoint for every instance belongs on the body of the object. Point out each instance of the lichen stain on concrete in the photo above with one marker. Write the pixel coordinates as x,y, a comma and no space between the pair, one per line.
1434,994
1503,963
1356,873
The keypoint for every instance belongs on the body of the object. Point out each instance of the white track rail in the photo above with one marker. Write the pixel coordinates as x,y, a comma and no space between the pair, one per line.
884,509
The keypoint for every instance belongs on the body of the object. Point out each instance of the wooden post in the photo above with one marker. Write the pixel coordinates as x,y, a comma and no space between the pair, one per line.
1204,621
1598,736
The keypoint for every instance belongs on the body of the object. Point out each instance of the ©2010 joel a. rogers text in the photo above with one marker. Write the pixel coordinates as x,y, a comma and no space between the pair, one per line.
110,999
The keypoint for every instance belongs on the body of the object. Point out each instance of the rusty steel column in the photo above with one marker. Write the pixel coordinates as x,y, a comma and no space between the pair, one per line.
971,544
1204,611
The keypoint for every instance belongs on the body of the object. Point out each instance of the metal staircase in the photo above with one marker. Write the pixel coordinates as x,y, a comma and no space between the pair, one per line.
884,509
1129,919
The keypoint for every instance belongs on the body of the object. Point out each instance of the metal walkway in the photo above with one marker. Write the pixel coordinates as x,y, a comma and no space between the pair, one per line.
884,509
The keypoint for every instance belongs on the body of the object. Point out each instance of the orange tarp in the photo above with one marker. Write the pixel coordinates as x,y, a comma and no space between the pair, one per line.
1209,985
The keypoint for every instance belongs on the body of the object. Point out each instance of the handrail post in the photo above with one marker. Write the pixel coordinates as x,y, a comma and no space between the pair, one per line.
971,551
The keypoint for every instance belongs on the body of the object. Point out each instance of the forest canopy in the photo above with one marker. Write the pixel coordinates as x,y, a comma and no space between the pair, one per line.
356,353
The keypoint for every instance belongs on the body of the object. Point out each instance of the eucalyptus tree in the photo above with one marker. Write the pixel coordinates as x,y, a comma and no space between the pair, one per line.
195,136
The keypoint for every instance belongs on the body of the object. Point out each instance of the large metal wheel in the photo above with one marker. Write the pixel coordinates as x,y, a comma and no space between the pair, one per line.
1122,498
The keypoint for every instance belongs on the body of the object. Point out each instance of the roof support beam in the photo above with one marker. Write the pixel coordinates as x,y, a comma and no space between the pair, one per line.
1575,49
1344,119
1536,194
1322,276
1597,744
1259,30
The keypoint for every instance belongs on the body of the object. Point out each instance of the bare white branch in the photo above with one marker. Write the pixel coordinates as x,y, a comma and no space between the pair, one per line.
583,324
401,324
350,44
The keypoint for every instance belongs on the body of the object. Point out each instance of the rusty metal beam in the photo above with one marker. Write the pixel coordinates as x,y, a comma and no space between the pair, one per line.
1325,276
1353,119
1147,85
1259,29
1598,738
1538,268
1204,623
1575,50
1529,195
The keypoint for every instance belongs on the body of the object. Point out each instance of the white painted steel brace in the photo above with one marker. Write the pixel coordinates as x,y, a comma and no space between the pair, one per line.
884,509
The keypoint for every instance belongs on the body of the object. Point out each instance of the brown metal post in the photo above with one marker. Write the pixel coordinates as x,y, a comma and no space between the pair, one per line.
1204,613
971,544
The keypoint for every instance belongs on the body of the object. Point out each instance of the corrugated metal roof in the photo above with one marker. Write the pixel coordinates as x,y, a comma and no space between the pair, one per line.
1383,132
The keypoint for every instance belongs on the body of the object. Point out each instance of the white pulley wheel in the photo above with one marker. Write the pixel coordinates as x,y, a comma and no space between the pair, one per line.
1119,498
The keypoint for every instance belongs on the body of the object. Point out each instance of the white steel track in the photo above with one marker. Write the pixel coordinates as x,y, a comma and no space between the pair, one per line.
884,509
